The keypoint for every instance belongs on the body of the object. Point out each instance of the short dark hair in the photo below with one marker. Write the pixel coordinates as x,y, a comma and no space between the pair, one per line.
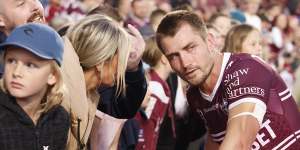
215,16
171,23
107,10
157,12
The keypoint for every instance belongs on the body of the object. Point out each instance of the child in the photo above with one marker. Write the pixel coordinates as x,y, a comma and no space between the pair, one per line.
158,104
243,39
32,89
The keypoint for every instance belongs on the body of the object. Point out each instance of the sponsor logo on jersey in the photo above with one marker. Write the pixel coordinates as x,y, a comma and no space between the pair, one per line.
264,136
236,74
253,90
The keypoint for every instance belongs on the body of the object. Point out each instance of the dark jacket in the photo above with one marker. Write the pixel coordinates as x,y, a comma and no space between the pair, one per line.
18,132
2,39
126,106
187,130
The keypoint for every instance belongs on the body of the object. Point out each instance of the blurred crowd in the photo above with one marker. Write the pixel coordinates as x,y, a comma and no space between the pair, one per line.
268,29
277,21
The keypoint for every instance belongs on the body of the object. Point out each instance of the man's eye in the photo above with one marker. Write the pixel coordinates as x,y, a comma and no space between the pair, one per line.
191,48
171,58
20,3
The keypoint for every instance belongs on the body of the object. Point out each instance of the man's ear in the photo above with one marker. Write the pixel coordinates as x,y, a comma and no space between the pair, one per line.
211,41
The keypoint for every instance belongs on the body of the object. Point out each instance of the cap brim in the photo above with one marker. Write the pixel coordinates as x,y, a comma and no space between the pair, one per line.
5,45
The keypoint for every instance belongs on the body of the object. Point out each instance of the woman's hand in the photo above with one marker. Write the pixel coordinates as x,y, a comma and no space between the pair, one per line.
138,47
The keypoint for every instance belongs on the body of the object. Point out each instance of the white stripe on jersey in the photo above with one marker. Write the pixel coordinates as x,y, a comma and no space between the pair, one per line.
248,100
218,134
297,132
289,144
292,139
157,89
218,139
284,92
286,97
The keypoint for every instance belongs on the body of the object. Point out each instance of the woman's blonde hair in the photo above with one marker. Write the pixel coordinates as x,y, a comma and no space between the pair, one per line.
96,40
152,55
235,38
55,93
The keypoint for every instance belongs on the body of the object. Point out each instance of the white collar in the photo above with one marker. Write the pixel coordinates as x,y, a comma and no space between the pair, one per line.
224,63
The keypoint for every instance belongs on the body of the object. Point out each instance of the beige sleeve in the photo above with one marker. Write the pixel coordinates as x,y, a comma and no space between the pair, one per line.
76,101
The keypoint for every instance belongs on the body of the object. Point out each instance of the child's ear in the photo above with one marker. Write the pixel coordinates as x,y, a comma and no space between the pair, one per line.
2,23
52,79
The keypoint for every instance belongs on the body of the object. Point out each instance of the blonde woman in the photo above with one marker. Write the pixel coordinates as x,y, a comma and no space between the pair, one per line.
32,90
102,46
243,39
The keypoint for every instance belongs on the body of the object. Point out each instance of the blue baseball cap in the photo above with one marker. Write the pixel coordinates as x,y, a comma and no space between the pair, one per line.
37,38
238,15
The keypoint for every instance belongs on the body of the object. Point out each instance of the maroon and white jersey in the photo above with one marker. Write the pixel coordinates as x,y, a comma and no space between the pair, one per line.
155,111
245,78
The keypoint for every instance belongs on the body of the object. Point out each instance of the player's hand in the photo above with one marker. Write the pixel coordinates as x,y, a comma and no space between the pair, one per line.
138,47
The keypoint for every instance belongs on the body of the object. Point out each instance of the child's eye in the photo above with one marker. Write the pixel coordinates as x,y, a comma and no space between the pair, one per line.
31,65
11,61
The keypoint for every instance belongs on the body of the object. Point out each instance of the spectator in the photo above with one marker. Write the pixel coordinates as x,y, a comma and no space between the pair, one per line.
10,15
33,52
53,9
219,39
250,8
109,65
243,39
221,22
126,105
159,99
149,29
123,7
140,13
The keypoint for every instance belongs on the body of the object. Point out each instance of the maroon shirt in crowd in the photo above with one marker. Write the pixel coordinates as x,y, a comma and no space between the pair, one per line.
157,107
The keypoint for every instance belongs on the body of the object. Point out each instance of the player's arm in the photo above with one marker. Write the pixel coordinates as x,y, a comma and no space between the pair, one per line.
210,144
244,121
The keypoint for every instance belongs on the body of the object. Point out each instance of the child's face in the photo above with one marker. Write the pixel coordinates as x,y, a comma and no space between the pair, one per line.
252,43
223,24
26,75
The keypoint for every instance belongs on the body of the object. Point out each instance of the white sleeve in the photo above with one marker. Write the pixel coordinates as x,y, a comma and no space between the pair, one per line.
258,112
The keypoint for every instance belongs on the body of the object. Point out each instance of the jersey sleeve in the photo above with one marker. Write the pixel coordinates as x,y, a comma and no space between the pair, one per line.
247,80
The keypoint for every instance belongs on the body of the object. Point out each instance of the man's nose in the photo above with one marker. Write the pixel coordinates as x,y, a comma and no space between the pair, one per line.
185,59
34,5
